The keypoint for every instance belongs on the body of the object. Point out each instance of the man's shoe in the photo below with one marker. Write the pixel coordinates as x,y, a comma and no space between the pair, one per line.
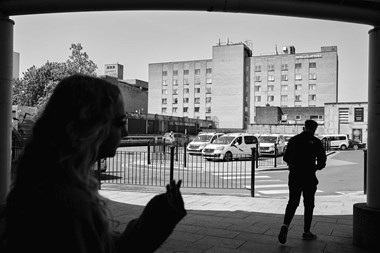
309,236
283,234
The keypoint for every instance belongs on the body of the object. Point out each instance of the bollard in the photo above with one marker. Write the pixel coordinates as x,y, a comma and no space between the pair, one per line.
253,158
148,152
365,171
184,155
171,163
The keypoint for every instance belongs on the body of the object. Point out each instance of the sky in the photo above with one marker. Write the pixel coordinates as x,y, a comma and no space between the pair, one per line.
137,38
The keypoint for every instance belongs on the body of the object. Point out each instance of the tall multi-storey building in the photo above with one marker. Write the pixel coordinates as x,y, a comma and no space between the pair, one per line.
228,87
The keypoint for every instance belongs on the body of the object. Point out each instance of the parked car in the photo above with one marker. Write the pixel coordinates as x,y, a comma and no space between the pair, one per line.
270,142
335,141
230,146
287,138
196,146
174,138
355,144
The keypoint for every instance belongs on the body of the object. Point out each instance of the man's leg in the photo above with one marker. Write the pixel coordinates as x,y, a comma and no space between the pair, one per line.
308,201
294,200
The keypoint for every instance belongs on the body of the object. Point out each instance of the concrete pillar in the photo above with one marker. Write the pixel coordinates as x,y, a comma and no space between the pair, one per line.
6,68
366,220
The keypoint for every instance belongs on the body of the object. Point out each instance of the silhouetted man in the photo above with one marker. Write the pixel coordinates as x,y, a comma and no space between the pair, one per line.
304,155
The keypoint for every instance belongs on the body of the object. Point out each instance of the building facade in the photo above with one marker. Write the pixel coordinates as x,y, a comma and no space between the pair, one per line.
228,87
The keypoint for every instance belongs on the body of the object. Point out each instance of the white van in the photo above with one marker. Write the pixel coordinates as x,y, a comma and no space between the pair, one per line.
196,146
335,141
268,142
231,146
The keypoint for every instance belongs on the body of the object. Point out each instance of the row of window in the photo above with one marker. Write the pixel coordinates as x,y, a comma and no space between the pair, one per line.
186,72
186,100
185,109
284,98
286,87
284,67
186,91
197,80
312,76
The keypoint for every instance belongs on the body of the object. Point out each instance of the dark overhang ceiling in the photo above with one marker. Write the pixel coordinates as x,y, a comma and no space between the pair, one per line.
355,11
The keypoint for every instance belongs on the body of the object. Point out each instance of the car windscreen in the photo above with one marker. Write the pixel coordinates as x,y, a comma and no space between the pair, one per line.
287,138
203,138
224,140
268,139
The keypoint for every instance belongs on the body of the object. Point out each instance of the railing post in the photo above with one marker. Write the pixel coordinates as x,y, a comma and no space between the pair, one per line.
176,152
148,152
253,158
365,171
275,155
99,174
171,163
257,155
184,154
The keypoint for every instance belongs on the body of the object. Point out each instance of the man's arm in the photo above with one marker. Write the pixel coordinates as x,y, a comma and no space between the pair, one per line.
321,156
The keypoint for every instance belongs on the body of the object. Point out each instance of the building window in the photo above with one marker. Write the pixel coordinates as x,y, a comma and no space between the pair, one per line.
175,100
197,100
312,76
175,109
185,100
271,78
312,65
175,91
343,115
164,82
164,101
258,68
284,77
257,78
297,65
257,98
284,67
197,71
314,117
284,87
196,109
284,98
312,86
208,99
185,72
175,72
185,109
197,90
209,80
297,98
359,114
186,91
270,87
320,117
175,82
185,81
270,98
257,88
298,87
208,90
163,110
270,67
298,117
164,92
197,80
164,73
208,71
313,97
298,77
208,109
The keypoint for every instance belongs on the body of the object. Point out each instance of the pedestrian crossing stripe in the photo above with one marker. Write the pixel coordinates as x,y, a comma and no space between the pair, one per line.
271,186
242,177
268,192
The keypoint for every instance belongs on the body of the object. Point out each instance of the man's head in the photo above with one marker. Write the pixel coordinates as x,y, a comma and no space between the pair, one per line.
310,126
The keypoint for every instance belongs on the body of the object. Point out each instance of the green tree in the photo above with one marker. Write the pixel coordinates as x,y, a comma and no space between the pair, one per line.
37,84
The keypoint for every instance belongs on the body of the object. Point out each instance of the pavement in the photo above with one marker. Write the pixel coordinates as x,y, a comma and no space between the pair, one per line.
219,222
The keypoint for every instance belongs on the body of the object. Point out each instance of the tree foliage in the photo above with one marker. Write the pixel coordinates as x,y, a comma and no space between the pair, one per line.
37,84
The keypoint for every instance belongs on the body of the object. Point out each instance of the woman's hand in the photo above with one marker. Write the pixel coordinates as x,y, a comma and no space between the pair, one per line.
174,195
